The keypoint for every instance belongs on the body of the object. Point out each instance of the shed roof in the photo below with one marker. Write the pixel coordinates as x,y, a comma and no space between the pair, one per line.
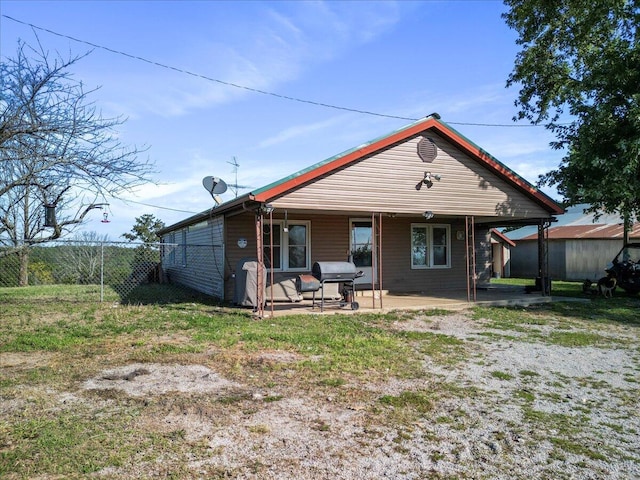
593,232
501,237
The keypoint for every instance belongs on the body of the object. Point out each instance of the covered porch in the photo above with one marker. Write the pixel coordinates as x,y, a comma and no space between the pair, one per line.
385,301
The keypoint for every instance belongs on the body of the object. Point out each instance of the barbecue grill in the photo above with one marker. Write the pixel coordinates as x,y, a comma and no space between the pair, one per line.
337,272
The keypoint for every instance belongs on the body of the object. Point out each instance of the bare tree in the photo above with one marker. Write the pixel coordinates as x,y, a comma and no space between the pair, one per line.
56,149
82,260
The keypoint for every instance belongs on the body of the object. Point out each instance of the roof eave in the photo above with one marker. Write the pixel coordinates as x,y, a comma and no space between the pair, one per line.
282,186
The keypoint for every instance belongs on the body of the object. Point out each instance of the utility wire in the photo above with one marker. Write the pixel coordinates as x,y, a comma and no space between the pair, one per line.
154,206
250,89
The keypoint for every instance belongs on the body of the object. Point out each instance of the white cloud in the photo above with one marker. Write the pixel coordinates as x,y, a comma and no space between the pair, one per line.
274,46
298,131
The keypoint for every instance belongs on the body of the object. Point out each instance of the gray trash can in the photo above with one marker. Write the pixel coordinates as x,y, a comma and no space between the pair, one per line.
246,292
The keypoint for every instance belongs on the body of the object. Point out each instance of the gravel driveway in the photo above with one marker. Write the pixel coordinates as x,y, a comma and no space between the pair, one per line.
521,402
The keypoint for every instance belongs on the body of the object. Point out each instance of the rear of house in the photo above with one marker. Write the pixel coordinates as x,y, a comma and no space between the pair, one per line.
413,210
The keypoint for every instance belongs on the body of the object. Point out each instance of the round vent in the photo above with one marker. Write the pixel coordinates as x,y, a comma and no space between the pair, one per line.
427,150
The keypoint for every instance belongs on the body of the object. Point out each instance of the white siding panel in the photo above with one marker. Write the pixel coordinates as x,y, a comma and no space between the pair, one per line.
204,267
386,182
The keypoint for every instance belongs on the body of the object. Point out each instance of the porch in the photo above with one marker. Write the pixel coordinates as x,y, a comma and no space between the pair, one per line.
370,302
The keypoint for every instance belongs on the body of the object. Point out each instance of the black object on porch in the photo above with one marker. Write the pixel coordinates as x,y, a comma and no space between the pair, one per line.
337,272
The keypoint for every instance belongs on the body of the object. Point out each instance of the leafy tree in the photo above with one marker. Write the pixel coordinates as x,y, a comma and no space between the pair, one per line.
579,75
145,229
55,149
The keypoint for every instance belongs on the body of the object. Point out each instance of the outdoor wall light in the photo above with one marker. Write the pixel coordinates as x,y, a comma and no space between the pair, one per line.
266,208
428,215
429,178
242,242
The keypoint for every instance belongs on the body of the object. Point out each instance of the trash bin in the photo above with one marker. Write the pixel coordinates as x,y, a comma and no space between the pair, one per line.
246,292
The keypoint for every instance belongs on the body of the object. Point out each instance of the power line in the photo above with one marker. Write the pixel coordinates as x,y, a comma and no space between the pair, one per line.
154,206
244,87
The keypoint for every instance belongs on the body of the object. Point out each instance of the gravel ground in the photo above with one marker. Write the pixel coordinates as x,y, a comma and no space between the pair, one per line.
517,406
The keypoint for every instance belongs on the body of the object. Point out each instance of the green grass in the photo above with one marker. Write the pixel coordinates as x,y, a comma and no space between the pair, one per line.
558,287
64,337
68,442
501,375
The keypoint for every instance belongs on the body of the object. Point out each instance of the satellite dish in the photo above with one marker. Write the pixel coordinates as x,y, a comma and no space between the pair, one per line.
215,186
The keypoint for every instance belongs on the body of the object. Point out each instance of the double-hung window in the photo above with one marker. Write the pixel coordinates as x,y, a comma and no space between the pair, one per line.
291,246
430,246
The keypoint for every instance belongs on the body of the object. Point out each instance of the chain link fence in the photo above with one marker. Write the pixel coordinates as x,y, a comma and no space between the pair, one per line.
117,271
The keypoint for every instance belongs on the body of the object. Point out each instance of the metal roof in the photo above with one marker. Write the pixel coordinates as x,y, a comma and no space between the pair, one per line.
595,231
573,216
313,172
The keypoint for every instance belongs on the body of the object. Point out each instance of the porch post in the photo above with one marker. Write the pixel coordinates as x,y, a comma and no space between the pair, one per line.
543,259
380,257
376,257
260,257
470,245
271,256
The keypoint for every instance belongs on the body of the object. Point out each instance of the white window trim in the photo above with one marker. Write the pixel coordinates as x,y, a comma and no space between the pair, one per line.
171,238
429,227
183,251
284,245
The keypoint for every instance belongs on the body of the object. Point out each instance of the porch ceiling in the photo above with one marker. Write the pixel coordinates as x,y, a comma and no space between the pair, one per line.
493,221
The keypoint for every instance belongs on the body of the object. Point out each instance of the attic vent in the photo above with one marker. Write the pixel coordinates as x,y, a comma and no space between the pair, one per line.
427,150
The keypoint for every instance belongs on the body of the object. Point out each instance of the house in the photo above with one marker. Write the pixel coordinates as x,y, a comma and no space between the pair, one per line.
576,252
413,209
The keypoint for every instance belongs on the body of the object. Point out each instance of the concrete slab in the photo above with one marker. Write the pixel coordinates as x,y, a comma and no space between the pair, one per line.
372,302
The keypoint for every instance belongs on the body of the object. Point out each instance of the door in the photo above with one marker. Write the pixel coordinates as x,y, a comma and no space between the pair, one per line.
361,247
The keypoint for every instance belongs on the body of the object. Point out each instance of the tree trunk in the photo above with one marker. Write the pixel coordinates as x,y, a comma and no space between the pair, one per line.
627,228
23,255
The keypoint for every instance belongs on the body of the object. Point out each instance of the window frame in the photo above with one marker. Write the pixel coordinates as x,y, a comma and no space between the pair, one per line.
183,250
284,244
429,227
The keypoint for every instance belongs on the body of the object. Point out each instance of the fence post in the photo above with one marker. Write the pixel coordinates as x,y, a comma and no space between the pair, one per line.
101,271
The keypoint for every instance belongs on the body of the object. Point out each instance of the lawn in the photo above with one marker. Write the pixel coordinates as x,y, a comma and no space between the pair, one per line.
60,416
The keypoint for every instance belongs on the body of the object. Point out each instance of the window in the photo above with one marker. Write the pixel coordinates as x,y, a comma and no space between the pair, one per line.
291,246
170,249
361,232
184,247
430,246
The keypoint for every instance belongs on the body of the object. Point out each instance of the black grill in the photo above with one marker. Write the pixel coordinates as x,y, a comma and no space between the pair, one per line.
337,272
334,271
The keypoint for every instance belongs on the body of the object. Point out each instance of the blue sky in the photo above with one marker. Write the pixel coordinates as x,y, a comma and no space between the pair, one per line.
405,59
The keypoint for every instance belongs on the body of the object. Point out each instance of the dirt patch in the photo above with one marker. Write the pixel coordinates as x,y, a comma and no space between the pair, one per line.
155,379
21,360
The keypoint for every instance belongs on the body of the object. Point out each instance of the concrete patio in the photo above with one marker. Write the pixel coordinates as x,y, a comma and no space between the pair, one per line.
369,302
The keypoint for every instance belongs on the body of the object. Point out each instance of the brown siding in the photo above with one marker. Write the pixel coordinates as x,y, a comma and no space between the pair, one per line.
240,226
386,182
397,274
330,242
